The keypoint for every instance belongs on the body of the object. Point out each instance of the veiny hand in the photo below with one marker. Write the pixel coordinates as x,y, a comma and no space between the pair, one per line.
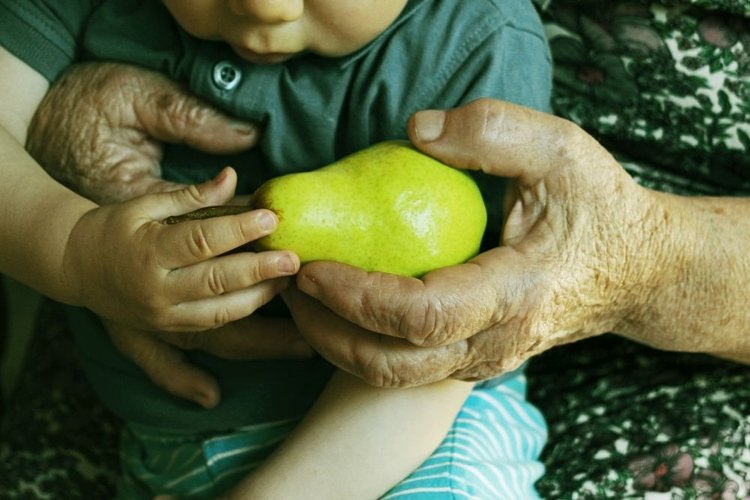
574,261
100,130
128,266
161,355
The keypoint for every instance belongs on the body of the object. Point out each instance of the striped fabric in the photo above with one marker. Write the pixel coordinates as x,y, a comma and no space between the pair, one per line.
491,452
192,465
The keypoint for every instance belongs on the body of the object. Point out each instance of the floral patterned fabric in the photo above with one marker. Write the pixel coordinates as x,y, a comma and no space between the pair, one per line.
665,86
627,421
57,441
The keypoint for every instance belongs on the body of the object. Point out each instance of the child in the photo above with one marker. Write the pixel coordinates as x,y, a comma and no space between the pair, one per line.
325,78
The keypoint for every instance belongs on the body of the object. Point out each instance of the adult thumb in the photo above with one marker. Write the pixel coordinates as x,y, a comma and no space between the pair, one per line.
497,137
170,113
166,366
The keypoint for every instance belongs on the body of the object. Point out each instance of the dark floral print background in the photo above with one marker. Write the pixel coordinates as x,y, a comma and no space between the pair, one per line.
627,421
664,85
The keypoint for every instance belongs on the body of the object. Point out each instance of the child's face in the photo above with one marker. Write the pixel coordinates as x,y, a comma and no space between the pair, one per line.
273,31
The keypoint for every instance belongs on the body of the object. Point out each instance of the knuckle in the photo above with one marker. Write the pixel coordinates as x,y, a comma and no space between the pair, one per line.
376,371
248,229
192,194
196,114
386,369
422,323
216,281
480,106
222,316
199,243
168,104
182,111
566,141
485,110
257,272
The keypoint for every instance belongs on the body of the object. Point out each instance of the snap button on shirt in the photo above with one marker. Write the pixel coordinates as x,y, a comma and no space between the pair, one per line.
226,75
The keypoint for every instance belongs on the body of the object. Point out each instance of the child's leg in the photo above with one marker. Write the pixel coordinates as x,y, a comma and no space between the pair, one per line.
155,461
492,450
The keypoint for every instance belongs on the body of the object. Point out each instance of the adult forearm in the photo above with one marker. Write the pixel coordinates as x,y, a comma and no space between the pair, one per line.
358,441
37,215
697,299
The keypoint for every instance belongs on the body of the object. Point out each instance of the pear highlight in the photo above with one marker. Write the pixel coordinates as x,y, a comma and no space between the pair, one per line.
386,208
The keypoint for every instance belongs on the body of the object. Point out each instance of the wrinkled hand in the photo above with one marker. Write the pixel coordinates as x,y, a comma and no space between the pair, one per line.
126,265
162,355
100,130
574,260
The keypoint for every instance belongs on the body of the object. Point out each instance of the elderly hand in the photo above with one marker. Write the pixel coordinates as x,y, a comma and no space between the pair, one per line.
100,129
577,259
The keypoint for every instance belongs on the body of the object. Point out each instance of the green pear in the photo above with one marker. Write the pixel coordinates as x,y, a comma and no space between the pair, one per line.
386,208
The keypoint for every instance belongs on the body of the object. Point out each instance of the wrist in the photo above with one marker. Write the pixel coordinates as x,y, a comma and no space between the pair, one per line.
630,252
693,294
76,259
650,263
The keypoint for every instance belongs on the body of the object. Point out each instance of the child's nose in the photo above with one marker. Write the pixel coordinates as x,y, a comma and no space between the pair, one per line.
269,11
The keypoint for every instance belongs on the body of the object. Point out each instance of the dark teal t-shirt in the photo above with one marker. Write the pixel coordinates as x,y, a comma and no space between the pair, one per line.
314,110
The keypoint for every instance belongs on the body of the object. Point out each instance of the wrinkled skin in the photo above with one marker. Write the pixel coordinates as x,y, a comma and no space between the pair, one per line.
100,130
101,127
585,251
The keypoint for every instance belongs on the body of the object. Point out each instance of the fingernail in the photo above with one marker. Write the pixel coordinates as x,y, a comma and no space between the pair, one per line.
286,265
206,399
266,221
428,125
308,285
221,176
242,128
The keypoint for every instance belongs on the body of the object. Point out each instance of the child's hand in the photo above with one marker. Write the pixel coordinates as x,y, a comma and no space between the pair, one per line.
161,356
125,264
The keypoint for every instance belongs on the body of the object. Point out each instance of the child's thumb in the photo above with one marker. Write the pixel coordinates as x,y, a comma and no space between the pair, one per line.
216,191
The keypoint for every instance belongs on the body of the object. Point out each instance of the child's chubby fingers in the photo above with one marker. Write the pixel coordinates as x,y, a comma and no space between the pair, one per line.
230,273
217,311
192,241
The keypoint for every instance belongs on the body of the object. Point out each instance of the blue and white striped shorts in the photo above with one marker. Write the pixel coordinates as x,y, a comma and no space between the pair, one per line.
491,452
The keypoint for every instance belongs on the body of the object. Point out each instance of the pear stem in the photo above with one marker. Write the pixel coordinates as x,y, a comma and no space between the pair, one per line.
208,212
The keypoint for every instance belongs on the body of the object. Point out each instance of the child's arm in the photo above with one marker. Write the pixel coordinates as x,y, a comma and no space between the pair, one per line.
120,260
358,441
